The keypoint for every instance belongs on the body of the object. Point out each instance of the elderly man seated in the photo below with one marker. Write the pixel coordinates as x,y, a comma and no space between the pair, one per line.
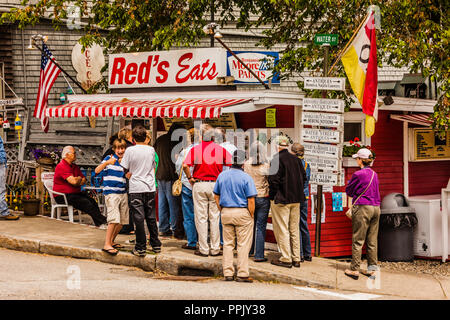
68,179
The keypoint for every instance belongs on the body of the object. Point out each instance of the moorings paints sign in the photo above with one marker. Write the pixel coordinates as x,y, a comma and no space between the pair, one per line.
260,62
174,68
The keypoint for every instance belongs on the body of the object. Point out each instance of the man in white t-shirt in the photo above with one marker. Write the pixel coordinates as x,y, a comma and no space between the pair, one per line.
140,162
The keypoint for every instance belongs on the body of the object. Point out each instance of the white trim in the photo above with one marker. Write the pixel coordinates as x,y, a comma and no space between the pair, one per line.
357,117
405,160
402,104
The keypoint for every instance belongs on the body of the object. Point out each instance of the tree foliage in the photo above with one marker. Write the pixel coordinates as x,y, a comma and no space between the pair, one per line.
413,33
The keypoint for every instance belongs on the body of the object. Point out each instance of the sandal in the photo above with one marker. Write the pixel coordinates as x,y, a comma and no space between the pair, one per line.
117,246
110,252
352,274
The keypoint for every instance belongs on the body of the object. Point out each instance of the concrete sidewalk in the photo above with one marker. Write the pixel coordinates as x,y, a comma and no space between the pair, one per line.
40,234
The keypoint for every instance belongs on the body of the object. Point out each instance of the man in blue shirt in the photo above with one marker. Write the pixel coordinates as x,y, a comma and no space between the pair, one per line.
235,193
4,211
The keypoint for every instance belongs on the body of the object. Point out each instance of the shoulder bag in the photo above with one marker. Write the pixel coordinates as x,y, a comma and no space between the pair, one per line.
348,213
178,185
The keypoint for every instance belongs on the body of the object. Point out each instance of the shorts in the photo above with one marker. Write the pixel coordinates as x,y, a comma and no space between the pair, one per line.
117,208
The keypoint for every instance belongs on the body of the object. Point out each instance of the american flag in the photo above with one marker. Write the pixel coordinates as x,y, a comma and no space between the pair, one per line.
49,73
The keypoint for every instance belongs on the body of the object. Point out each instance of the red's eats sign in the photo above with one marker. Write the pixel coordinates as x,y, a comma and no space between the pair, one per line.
195,67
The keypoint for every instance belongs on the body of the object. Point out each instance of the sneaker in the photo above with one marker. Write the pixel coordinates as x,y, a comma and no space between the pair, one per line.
198,253
156,249
139,253
10,217
217,254
229,278
308,259
296,264
187,247
166,234
103,226
244,279
281,263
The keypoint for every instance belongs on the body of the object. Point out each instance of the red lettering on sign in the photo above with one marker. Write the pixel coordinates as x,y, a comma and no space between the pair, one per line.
197,72
164,74
144,71
117,70
130,73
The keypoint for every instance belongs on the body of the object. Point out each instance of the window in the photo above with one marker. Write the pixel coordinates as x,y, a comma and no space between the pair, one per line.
354,126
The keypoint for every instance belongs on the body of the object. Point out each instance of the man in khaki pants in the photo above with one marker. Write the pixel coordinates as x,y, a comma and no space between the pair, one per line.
235,194
286,193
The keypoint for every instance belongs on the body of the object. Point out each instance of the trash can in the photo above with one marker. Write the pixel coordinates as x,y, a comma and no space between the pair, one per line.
396,230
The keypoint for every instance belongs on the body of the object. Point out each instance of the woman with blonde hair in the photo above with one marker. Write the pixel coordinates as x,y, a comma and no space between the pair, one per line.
257,166
363,187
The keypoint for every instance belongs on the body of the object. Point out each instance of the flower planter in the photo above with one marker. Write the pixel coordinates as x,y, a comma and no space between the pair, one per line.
31,206
45,160
349,162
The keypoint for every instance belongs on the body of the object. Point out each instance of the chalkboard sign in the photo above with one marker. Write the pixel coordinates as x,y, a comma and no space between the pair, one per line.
425,144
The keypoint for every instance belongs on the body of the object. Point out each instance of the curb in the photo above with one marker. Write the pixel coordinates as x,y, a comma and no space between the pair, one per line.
161,262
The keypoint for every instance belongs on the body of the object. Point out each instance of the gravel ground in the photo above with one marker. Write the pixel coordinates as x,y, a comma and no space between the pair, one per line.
432,267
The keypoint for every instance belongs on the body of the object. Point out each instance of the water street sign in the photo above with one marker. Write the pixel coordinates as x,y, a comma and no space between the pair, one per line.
322,150
323,119
11,102
324,83
321,135
322,163
323,105
324,178
331,39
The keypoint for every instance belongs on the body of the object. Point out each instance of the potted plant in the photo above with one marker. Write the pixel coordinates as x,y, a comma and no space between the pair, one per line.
349,150
30,205
45,156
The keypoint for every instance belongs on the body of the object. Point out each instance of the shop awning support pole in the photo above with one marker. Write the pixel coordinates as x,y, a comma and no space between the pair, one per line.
240,61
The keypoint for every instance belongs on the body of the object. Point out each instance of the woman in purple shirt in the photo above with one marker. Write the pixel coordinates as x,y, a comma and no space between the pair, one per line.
363,187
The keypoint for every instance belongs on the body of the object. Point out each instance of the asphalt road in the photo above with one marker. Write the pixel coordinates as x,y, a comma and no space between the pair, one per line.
43,277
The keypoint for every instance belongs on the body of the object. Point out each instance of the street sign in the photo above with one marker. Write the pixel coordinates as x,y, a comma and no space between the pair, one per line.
324,178
331,39
322,150
323,119
313,189
322,163
323,105
324,83
11,102
321,135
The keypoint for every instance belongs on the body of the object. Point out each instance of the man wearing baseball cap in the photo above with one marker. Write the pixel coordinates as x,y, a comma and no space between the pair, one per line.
286,181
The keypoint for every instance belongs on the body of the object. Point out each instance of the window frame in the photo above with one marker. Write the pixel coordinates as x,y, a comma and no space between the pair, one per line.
357,117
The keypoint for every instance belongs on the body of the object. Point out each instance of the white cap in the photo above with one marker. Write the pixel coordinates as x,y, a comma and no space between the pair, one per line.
363,153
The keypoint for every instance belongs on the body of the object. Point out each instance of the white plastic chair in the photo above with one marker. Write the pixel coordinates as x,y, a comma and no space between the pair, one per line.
47,179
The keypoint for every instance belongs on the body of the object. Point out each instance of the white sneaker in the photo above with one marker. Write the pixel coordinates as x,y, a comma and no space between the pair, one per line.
103,226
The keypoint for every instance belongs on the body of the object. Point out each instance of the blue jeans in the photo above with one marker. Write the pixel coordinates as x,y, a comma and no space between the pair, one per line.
305,241
187,205
4,211
262,206
168,207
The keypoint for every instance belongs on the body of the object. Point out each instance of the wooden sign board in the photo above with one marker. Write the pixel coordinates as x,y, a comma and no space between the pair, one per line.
324,178
322,150
313,189
323,105
321,135
226,120
426,145
324,83
322,163
323,119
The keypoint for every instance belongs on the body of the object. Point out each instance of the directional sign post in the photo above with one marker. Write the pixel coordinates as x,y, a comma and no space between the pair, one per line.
323,105
323,119
321,135
325,83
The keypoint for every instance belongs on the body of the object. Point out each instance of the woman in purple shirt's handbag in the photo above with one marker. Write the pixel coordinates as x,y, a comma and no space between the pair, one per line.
363,187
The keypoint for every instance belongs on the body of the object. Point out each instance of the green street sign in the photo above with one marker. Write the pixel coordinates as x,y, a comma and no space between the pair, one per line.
330,39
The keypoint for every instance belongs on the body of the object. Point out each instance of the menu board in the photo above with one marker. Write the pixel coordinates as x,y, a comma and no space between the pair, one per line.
226,120
427,145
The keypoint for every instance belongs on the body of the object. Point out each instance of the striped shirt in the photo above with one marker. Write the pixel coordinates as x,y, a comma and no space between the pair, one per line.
113,177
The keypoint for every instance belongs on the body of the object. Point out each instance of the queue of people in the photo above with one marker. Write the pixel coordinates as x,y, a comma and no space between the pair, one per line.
225,197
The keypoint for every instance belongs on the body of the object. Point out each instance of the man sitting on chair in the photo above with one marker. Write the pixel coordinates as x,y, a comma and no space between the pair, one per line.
68,179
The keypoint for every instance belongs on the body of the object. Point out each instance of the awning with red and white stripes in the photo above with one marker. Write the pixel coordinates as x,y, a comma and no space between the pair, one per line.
422,119
168,108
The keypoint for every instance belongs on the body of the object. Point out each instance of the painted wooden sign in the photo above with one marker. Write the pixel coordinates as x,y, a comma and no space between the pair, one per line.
323,105
322,163
334,120
324,83
321,135
322,150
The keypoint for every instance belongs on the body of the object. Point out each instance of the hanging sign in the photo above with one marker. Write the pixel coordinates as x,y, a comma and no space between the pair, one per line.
11,102
324,83
322,119
260,62
174,68
322,150
271,121
324,188
313,209
324,178
321,135
338,201
322,163
88,64
323,105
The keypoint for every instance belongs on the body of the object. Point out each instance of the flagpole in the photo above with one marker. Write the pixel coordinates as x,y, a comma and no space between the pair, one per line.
341,53
59,67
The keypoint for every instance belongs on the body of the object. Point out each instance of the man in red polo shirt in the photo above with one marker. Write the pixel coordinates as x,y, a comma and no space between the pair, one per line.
68,179
208,159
